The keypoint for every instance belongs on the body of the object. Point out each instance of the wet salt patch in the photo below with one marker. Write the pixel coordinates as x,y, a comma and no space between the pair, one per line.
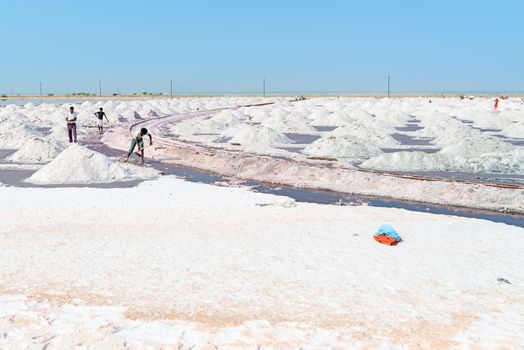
189,174
20,166
292,149
15,177
300,195
412,140
99,147
329,197
486,129
302,138
325,128
171,135
425,150
44,130
223,139
4,153
516,142
485,177
410,127
465,121
205,134
513,141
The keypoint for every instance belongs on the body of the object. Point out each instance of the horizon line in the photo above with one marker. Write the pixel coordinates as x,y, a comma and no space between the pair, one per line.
251,92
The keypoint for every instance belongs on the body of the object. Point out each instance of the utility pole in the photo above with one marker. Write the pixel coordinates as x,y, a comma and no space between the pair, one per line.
264,87
171,88
100,88
40,89
388,84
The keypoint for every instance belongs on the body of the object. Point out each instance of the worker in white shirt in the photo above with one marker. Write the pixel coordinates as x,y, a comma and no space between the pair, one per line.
138,139
71,124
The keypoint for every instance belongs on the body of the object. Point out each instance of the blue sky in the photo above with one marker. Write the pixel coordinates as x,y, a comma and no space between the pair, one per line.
228,46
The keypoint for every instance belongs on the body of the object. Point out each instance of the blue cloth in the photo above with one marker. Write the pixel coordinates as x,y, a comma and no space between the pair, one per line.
389,231
133,145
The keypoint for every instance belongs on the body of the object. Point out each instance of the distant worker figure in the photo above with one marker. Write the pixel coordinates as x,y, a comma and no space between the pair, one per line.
71,124
496,105
138,139
101,115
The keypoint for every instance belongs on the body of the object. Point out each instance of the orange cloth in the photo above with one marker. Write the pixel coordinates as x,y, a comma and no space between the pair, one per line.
385,240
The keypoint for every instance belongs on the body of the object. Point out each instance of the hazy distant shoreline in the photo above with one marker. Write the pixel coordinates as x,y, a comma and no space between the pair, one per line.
189,95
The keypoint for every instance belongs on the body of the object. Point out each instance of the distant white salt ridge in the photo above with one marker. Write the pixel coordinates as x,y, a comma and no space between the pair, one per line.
80,165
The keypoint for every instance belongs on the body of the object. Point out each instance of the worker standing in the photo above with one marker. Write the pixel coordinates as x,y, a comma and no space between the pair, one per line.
100,116
71,124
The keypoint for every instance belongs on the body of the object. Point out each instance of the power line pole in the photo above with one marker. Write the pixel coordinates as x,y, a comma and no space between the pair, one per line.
40,89
264,87
171,88
100,88
388,84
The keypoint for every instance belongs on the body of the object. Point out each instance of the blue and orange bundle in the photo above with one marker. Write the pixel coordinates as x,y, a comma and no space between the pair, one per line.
386,234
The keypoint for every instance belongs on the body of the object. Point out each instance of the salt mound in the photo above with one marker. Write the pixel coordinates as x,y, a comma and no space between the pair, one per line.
469,147
515,115
218,123
516,130
257,134
390,118
258,115
289,124
506,163
489,119
128,114
333,119
452,133
357,130
186,127
342,147
316,112
210,126
409,161
144,113
229,117
282,113
13,134
79,165
358,114
36,150
58,133
334,105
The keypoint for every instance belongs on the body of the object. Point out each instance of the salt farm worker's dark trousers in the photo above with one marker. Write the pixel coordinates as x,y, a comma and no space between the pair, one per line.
71,130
